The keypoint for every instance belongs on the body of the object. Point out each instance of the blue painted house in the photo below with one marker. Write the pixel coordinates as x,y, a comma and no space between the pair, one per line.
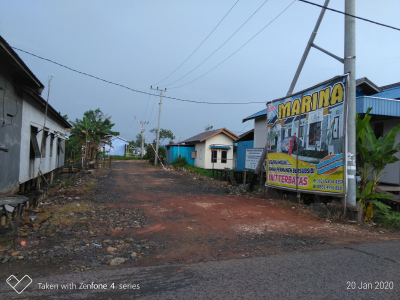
245,141
179,150
385,103
118,145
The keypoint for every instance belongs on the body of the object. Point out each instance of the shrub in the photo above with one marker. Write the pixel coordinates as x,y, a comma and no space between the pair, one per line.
180,162
385,216
150,154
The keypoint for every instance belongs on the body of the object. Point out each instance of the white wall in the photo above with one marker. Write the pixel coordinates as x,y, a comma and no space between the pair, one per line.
200,159
392,170
222,140
33,115
260,132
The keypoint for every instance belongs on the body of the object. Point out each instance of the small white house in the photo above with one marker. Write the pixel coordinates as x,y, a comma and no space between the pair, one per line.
213,149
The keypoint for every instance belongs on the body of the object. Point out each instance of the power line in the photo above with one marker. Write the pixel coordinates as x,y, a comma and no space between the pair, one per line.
154,118
242,130
129,127
133,90
199,45
154,102
343,13
219,46
146,108
175,87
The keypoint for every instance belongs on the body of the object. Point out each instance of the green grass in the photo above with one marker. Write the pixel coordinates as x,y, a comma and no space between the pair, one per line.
198,170
118,157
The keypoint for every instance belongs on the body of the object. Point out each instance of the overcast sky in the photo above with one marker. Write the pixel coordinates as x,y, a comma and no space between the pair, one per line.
139,43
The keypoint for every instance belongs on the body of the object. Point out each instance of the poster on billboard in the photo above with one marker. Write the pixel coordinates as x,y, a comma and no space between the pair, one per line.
253,156
307,134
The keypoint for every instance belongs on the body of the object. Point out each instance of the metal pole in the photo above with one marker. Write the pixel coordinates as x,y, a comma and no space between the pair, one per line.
307,50
158,129
143,123
350,67
141,153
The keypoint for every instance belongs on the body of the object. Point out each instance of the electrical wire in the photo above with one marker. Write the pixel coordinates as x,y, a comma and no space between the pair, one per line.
129,127
218,47
148,98
155,118
343,13
242,130
134,90
199,45
154,102
175,87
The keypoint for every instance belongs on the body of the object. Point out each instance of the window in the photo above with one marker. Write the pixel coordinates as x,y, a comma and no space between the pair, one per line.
301,133
200,154
283,134
315,133
214,156
34,146
44,140
51,144
378,130
223,156
193,154
289,132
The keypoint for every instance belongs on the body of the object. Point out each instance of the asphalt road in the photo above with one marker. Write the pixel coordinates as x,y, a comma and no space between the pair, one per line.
319,274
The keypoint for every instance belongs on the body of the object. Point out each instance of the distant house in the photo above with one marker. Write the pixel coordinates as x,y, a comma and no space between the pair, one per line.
213,149
32,143
385,103
119,146
105,147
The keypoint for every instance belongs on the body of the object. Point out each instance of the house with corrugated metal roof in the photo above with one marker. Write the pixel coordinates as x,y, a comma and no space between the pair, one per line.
213,149
385,103
32,132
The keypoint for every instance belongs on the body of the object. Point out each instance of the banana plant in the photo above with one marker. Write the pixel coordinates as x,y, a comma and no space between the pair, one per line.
373,155
90,130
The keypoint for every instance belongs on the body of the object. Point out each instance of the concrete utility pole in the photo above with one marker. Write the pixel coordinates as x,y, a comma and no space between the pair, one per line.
350,67
159,120
143,123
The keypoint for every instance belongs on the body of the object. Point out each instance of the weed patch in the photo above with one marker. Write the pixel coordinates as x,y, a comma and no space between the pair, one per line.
65,214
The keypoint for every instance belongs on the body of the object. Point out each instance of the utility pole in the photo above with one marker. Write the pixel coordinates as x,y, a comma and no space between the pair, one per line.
159,120
350,67
143,123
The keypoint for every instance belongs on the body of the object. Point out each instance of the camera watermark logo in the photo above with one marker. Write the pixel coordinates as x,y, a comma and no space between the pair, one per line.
19,285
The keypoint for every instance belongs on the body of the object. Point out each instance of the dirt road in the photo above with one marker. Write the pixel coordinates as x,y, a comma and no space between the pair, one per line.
194,219
141,215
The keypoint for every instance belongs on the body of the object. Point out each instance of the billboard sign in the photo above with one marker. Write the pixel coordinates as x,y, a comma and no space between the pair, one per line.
306,134
253,156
